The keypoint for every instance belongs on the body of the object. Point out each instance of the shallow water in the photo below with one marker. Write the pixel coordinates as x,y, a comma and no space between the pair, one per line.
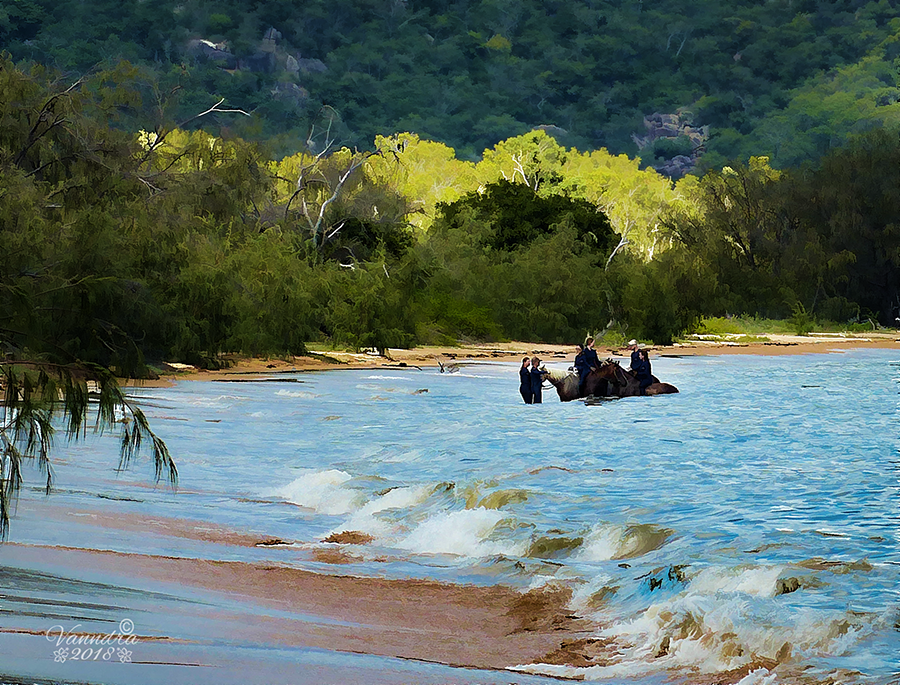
679,521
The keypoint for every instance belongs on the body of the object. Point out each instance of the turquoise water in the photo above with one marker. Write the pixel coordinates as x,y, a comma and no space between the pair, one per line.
678,521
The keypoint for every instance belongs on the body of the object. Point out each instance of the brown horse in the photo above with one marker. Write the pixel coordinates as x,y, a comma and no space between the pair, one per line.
624,384
567,387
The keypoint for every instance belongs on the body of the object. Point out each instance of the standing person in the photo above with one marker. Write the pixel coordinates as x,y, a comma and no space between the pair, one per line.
537,380
525,382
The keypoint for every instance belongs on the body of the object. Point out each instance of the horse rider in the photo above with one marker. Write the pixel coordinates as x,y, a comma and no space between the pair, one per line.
589,361
635,354
641,367
579,361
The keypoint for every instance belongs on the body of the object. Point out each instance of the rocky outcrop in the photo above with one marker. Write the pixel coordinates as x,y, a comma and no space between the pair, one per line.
673,127
678,166
270,57
215,53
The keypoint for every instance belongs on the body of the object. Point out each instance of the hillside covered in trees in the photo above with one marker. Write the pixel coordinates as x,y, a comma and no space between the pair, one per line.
786,79
118,246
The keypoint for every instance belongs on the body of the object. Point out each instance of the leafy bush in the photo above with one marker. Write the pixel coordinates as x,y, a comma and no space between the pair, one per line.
667,148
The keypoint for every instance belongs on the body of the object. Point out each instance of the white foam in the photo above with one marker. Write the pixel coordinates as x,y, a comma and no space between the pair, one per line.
321,491
602,543
296,393
366,519
463,533
758,580
724,619
761,676
216,402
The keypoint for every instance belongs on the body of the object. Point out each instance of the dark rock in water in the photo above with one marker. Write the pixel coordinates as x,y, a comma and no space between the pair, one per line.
599,598
664,578
550,548
784,586
271,542
350,537
663,647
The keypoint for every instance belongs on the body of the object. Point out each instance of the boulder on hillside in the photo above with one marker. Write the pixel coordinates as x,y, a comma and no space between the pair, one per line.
215,53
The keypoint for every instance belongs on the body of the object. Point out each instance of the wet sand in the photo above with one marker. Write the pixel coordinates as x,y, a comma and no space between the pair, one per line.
246,369
457,625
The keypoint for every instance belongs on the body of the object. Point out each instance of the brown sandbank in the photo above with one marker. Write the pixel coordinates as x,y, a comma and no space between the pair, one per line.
459,625
423,357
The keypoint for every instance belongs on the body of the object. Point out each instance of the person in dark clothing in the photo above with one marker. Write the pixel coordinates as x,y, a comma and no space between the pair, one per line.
580,368
643,371
589,362
525,382
537,380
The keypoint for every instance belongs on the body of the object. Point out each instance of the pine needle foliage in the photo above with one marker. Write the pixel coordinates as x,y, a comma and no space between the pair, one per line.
37,398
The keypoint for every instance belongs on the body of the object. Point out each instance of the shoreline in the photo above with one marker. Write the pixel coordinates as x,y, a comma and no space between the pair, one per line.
490,627
244,368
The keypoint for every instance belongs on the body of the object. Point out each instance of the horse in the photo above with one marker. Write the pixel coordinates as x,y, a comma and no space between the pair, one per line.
624,384
568,386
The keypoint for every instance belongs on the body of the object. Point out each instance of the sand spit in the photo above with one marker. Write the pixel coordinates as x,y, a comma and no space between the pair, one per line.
453,358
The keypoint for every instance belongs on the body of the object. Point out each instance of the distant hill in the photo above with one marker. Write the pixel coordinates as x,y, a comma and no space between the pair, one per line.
786,78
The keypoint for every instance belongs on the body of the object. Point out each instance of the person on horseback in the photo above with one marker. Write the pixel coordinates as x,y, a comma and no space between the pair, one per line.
579,356
581,370
635,354
589,361
643,371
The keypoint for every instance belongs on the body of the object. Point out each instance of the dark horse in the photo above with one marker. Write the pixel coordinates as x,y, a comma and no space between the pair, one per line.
568,387
624,384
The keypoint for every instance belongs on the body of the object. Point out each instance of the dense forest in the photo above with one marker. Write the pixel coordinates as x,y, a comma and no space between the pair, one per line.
787,79
118,246
253,177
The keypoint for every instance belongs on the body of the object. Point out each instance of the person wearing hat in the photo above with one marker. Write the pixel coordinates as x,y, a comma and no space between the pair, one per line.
537,380
525,381
635,354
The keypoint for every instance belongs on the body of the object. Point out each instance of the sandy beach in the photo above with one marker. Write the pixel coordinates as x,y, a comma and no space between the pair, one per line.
240,368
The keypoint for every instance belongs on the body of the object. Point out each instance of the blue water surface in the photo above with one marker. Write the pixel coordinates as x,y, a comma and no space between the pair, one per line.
755,509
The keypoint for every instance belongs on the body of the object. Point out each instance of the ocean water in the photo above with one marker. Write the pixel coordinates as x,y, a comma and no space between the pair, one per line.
752,519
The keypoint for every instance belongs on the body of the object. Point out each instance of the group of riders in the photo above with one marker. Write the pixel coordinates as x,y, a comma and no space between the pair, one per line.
531,374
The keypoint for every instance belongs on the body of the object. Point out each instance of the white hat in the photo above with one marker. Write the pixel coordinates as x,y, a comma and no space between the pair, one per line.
632,342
